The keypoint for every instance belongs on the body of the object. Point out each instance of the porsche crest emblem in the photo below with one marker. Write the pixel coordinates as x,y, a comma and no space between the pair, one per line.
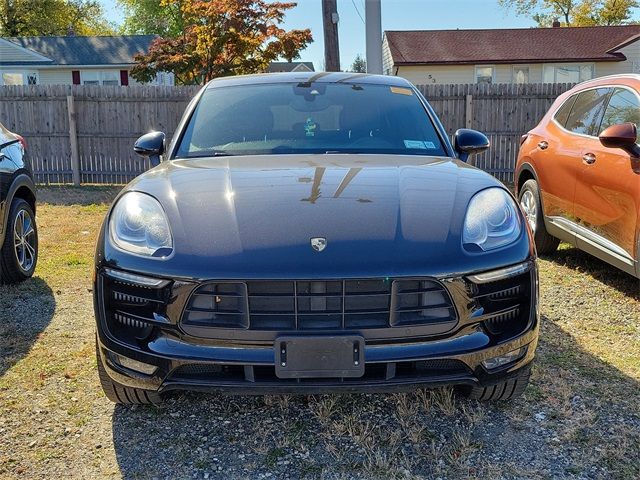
318,243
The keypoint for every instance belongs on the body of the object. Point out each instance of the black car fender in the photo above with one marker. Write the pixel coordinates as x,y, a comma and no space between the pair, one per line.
20,181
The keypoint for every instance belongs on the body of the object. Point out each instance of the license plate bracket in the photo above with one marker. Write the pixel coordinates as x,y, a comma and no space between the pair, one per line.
338,356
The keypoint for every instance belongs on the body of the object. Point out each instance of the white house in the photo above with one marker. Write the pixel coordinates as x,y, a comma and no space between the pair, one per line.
533,55
95,60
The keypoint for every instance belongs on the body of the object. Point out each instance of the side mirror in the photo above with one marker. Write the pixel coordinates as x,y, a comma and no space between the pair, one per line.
469,142
622,135
150,145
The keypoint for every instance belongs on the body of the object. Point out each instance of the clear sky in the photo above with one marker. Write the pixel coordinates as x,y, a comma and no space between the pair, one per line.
396,15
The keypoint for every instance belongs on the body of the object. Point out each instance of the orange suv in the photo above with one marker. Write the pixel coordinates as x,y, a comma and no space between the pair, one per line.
578,172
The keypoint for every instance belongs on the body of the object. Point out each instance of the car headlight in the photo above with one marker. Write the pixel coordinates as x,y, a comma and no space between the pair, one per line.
139,225
492,221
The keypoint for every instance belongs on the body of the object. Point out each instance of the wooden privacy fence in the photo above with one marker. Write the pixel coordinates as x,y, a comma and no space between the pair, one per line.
504,112
85,134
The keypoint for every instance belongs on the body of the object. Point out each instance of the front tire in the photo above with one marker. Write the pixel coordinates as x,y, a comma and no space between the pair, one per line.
122,395
532,208
508,389
19,252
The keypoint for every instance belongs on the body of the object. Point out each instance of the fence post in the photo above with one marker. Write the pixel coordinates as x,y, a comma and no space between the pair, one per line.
468,112
73,139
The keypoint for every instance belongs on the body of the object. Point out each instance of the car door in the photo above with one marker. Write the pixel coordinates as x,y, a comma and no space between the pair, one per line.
607,199
559,157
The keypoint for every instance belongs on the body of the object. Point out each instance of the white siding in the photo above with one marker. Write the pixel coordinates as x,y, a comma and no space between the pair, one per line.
423,74
387,60
459,74
133,81
63,76
630,65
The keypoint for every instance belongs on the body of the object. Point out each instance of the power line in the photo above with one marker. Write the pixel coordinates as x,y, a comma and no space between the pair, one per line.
357,11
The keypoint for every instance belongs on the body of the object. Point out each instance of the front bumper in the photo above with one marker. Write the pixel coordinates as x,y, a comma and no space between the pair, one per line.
163,357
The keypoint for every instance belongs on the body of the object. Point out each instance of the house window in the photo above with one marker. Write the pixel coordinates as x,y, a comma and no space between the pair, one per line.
111,77
100,77
571,73
90,77
520,74
163,78
12,78
19,78
32,78
484,74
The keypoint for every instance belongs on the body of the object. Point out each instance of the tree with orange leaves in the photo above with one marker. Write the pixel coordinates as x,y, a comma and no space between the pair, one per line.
221,38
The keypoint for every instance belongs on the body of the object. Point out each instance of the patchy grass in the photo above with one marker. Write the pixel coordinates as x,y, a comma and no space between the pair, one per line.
579,418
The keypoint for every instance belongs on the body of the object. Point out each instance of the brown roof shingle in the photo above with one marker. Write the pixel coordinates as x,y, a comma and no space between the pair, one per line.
530,45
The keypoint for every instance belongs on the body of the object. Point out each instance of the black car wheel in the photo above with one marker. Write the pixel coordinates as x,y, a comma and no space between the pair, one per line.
19,253
532,208
505,390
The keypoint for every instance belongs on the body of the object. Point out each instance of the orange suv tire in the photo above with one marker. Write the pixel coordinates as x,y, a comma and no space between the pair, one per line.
532,207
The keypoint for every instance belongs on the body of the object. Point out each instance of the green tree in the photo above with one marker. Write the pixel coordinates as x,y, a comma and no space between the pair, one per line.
146,17
52,17
221,38
359,65
575,13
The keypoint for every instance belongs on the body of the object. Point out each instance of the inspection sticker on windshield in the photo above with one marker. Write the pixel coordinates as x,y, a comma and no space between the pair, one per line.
419,144
401,91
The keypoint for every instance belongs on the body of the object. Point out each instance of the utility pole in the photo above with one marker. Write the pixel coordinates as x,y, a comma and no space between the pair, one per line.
330,23
373,20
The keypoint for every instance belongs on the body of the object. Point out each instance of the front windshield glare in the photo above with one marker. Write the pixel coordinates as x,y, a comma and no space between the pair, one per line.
285,118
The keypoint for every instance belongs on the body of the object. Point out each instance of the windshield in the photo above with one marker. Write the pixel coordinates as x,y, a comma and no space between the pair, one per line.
309,118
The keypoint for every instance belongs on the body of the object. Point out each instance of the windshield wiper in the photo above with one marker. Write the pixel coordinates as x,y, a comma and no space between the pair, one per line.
212,153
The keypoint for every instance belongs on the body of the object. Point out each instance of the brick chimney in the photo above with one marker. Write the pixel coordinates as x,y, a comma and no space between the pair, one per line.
556,23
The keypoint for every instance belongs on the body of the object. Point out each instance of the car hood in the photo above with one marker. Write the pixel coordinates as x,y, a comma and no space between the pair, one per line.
255,216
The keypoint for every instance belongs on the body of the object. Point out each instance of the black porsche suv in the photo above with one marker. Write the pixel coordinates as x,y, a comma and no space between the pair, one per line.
311,233
18,231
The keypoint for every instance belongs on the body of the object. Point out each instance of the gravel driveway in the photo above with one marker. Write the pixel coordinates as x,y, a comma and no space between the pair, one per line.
580,418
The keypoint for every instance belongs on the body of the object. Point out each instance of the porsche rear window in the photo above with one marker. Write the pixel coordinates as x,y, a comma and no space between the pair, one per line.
294,118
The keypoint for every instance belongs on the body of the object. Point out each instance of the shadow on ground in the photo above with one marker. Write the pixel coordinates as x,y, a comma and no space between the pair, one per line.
25,311
578,260
579,418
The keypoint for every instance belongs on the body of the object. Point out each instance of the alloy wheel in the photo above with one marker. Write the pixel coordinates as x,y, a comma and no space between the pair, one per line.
530,208
24,240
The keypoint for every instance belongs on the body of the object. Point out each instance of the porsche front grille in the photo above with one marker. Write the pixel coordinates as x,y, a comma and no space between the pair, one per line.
320,305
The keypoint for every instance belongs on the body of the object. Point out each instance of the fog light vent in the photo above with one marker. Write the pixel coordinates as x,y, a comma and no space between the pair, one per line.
132,364
502,360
